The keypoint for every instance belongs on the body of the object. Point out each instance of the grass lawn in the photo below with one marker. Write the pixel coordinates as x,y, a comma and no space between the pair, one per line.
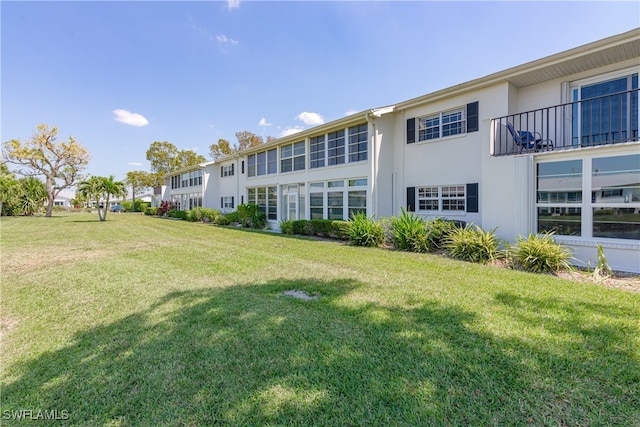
147,321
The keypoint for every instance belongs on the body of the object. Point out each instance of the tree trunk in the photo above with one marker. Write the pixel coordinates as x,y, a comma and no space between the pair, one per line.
106,209
51,197
133,203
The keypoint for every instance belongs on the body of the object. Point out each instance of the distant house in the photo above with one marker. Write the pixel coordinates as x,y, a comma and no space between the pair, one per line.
63,199
548,145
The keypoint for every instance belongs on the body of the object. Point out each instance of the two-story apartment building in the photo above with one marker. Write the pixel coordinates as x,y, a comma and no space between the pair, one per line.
549,145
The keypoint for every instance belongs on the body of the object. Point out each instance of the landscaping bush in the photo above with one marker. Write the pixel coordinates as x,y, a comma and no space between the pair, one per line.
222,220
210,215
321,227
299,226
165,207
340,229
151,211
233,217
204,214
409,232
286,227
539,253
180,215
439,229
365,231
251,216
472,244
140,206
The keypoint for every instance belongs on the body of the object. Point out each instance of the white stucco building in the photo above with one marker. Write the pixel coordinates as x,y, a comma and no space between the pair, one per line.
463,153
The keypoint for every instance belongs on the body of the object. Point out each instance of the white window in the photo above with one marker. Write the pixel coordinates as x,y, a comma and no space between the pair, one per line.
428,199
613,209
358,139
317,152
292,157
439,125
335,200
605,110
445,198
453,198
266,198
335,148
227,202
227,170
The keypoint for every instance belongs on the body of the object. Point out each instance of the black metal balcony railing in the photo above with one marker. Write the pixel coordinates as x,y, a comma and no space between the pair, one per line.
610,119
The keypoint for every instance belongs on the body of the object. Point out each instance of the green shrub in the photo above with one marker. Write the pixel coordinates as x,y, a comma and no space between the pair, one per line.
539,253
179,214
365,231
472,244
409,232
233,217
195,214
321,227
286,227
210,215
251,216
340,229
140,206
438,230
300,226
222,220
151,211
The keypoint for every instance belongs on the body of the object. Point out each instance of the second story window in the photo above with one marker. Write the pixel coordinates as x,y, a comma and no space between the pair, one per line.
358,138
292,157
227,170
442,124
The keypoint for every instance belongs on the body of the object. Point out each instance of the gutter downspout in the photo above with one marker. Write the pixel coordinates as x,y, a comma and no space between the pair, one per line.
374,163
237,201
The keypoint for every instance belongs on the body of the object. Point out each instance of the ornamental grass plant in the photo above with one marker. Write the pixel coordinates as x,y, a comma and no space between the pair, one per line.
540,253
472,243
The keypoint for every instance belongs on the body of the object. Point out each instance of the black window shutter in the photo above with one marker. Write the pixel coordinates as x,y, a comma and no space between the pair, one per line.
221,202
232,168
411,131
411,199
232,202
242,198
472,197
472,117
221,171
243,166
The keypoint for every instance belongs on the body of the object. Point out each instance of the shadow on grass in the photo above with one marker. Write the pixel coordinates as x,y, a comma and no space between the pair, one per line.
249,355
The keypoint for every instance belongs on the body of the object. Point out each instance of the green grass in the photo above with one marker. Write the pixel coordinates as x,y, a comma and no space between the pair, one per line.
146,321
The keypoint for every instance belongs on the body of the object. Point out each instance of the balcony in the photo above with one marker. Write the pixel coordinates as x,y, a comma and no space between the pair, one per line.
604,120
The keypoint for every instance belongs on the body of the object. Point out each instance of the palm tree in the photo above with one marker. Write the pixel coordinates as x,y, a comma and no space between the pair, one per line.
91,189
33,194
9,191
111,188
99,188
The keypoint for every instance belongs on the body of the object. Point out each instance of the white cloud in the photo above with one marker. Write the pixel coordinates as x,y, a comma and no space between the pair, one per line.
134,164
291,131
129,118
222,39
263,122
351,112
311,119
233,4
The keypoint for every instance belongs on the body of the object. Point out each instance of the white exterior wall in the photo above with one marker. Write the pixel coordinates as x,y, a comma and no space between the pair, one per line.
362,169
506,184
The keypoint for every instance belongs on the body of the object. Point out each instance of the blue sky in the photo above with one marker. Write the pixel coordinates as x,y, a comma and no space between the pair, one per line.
120,75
